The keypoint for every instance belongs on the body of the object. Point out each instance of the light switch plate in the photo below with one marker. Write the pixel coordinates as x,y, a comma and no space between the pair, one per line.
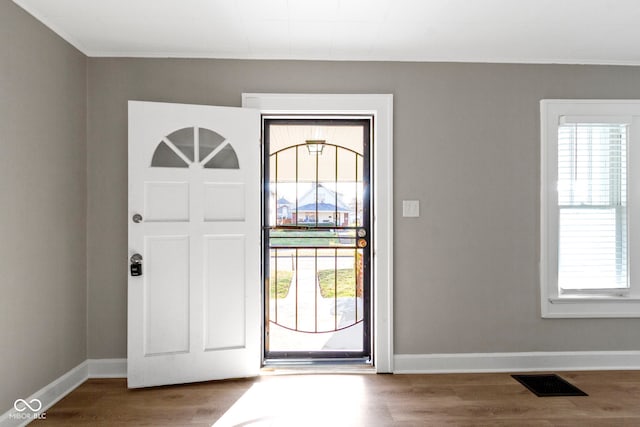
411,208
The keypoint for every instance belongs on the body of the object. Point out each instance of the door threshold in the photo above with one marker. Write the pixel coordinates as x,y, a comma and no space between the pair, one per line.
317,366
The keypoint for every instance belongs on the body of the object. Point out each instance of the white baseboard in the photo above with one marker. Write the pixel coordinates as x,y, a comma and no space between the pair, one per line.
47,395
516,362
59,388
107,368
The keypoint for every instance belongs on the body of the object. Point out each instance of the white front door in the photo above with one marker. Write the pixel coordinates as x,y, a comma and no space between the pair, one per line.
194,239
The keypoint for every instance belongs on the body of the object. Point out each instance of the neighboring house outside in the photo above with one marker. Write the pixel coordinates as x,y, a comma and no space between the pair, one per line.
285,211
320,200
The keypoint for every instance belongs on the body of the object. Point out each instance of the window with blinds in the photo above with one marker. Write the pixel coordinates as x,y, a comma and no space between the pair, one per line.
589,208
592,203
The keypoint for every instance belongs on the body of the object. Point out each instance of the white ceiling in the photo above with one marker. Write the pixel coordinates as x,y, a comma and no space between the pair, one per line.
532,31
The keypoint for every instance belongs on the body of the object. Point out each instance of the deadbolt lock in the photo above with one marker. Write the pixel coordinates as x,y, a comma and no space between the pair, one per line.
136,265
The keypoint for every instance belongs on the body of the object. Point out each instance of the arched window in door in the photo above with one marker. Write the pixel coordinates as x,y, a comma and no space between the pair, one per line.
193,145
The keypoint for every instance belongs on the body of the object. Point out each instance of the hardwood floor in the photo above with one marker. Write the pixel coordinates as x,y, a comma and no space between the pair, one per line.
354,400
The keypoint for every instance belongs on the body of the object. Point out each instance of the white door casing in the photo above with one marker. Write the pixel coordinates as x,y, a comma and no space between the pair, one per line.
380,106
194,313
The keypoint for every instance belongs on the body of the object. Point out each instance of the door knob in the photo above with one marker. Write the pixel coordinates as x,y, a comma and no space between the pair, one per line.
137,218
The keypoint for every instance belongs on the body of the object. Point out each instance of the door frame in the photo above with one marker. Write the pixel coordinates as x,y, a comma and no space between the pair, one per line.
380,106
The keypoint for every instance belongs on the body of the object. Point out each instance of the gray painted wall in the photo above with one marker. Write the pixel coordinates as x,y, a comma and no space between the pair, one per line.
466,145
43,318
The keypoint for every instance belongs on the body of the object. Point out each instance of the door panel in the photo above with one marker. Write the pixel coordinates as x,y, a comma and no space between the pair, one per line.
166,201
166,294
224,201
225,306
194,179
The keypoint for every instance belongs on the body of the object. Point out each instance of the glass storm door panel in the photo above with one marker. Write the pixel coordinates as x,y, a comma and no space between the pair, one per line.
317,230
194,243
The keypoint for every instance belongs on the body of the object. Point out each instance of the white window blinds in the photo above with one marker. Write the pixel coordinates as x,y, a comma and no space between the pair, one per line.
592,202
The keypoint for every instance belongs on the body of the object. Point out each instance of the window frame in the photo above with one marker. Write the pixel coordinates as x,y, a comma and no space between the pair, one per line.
586,304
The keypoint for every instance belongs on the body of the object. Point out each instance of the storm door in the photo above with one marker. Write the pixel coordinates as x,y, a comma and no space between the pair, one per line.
317,238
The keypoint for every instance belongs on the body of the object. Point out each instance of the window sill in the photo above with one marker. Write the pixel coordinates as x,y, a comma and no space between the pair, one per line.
593,298
591,307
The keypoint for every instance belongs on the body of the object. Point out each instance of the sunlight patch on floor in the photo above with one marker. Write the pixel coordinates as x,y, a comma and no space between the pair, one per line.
287,401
